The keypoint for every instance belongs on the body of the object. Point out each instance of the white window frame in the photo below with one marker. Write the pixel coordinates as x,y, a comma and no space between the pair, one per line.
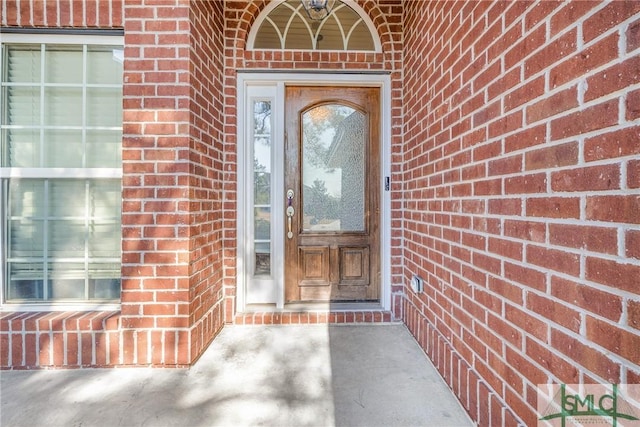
51,173
248,85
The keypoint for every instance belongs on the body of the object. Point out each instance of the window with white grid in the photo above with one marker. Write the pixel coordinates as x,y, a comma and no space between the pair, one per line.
61,168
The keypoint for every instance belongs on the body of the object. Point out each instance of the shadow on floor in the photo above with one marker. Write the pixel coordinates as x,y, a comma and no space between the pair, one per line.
311,375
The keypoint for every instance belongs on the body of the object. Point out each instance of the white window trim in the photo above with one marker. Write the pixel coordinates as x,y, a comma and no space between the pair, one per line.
265,287
245,84
115,173
56,307
107,40
351,3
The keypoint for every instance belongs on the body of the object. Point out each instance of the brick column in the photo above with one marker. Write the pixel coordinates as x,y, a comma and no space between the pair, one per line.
156,166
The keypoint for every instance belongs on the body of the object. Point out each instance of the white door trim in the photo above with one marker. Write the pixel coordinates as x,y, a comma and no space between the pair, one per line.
250,83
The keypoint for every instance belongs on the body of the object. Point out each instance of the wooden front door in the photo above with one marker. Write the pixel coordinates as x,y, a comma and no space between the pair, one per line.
332,194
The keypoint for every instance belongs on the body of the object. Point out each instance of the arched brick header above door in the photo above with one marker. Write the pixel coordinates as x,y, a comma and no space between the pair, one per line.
385,16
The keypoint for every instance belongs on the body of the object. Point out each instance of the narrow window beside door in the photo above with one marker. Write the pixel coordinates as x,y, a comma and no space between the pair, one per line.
262,187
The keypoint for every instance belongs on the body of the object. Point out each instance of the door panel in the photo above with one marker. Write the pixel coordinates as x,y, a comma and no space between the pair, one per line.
314,266
332,178
354,263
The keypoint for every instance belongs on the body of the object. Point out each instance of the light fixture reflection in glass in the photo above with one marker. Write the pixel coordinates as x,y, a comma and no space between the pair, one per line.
318,9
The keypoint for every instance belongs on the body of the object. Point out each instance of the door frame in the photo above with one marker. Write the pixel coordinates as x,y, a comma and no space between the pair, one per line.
248,85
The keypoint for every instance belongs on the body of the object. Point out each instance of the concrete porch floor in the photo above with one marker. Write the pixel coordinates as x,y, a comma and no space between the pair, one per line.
307,375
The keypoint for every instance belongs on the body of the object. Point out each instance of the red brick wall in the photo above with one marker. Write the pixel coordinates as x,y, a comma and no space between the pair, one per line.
207,159
172,192
156,219
521,196
62,13
172,260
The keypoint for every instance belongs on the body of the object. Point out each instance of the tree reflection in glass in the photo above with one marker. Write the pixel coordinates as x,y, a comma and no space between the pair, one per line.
333,172
262,186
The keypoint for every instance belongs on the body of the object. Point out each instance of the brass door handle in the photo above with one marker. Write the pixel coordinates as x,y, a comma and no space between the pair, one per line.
290,212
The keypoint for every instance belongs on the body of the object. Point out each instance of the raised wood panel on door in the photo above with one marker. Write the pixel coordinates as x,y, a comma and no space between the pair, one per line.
340,265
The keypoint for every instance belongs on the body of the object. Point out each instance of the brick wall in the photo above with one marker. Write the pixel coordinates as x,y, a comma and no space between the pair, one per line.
156,215
172,192
522,197
62,13
207,158
173,162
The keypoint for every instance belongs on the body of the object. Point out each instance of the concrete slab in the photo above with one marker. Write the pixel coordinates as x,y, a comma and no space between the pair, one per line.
319,375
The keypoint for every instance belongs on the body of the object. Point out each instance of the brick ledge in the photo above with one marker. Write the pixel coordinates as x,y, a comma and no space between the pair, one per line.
313,317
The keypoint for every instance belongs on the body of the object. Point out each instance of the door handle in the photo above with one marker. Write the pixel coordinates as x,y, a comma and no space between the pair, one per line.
290,212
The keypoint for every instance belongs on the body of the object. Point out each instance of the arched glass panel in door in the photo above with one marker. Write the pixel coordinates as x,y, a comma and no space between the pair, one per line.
333,169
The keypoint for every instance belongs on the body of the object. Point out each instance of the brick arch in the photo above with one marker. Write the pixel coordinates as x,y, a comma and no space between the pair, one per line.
379,18
248,16
253,9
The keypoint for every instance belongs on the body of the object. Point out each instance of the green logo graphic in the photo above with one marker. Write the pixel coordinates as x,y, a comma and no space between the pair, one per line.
596,405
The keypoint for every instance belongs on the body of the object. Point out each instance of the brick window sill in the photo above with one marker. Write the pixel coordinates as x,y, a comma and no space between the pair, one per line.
59,339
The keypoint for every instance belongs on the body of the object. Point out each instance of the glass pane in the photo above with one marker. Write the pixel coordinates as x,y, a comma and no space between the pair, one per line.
23,64
333,169
298,35
63,106
262,118
104,287
104,149
63,148
263,258
66,281
360,38
105,199
23,148
262,185
66,239
104,64
267,37
104,239
67,198
262,152
26,238
262,223
63,64
23,106
26,198
104,224
104,107
330,36
25,280
280,17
